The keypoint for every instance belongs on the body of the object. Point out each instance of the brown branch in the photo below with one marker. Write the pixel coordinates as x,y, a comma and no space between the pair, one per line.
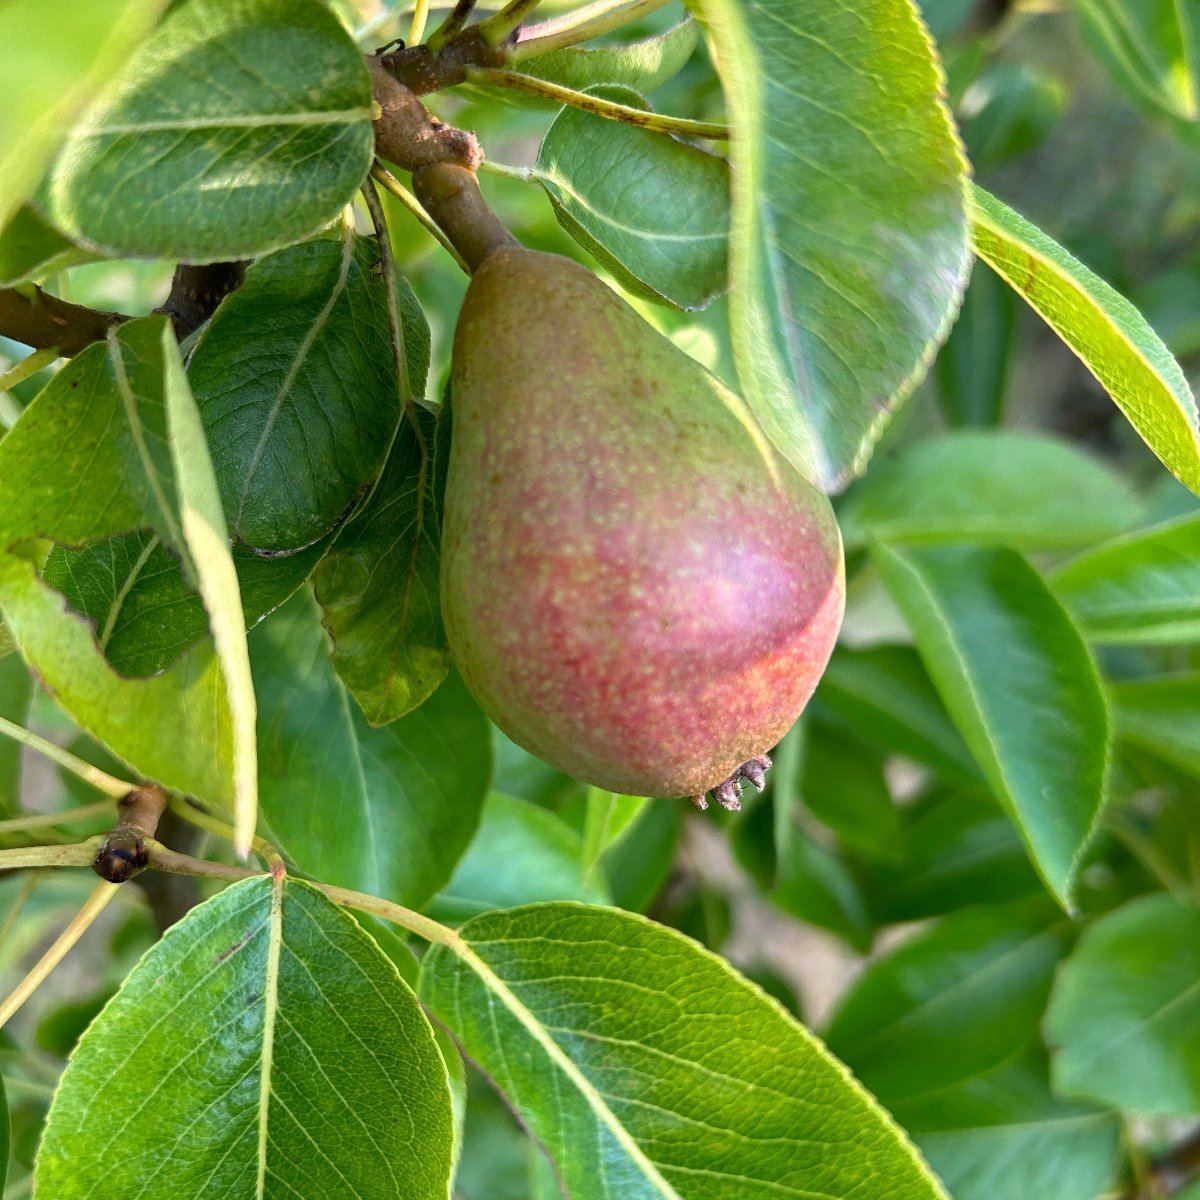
197,290
423,70
123,853
43,321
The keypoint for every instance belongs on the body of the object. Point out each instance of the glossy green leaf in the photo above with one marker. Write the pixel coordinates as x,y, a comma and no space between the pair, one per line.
647,1068
610,817
280,1055
387,811
1161,715
16,690
1108,334
848,252
1124,1021
58,75
379,587
652,209
5,1134
31,249
202,521
294,381
947,1004
885,695
258,143
842,785
1143,588
520,854
1151,48
1004,1136
1018,680
1014,109
88,459
642,65
1017,489
131,587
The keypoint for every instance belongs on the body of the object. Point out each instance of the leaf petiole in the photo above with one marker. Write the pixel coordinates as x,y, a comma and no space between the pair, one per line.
108,784
582,25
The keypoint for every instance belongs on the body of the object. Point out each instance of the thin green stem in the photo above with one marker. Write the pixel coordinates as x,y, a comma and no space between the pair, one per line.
498,26
266,853
101,780
389,182
610,109
184,864
457,18
85,812
78,926
416,31
523,174
591,21
77,854
24,892
28,366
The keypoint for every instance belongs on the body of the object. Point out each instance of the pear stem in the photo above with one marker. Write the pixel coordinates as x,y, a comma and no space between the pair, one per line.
450,194
626,113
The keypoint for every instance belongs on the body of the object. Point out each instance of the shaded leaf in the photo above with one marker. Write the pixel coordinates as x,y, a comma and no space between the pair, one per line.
1018,489
947,1004
1161,715
1004,1136
652,209
1108,334
58,76
610,817
520,853
849,252
280,1055
1019,682
1143,588
642,65
258,142
294,380
31,249
408,796
16,690
379,586
1124,1021
646,1066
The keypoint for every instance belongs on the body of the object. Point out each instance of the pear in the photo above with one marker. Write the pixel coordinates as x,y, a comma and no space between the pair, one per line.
636,587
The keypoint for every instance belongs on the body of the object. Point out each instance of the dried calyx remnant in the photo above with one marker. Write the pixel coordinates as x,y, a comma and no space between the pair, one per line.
728,794
124,853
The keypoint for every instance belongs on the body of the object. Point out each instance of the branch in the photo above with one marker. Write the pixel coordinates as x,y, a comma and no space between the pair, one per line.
123,853
432,67
197,290
34,317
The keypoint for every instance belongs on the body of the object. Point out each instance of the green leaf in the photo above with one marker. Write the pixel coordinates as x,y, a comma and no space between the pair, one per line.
386,811
1025,490
31,249
647,1068
1161,715
1152,50
1108,334
5,1134
379,586
1018,680
1124,1021
88,459
294,380
652,209
16,690
884,694
58,76
520,854
279,1054
843,787
642,65
947,1004
257,142
973,367
207,540
131,587
1004,1136
1140,589
959,850
609,818
849,248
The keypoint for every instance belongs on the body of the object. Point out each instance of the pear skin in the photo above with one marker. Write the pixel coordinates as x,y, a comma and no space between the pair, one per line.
636,587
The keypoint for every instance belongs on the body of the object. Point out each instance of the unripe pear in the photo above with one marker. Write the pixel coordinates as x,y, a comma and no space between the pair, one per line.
636,587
